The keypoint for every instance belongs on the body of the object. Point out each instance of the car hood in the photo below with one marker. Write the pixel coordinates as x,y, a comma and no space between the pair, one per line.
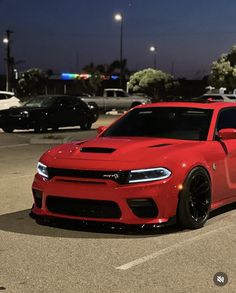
22,109
123,152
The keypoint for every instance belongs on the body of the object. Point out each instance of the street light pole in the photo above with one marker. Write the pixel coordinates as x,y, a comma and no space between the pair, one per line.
7,41
153,49
119,17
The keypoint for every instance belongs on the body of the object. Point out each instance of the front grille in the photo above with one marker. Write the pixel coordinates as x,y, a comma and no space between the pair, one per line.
121,177
83,207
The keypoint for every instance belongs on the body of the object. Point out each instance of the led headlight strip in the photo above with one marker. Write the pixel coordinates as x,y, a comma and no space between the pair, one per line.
146,175
42,170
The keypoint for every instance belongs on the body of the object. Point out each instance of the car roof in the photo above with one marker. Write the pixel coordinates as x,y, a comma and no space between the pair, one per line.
7,93
210,105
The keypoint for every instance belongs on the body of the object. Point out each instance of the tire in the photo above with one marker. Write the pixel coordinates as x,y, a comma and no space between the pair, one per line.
55,128
195,200
85,125
40,129
8,129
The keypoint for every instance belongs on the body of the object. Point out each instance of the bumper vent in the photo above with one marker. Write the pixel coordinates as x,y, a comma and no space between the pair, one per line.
143,207
83,207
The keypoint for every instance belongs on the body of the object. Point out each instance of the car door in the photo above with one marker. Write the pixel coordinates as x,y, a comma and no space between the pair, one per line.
63,112
116,99
227,119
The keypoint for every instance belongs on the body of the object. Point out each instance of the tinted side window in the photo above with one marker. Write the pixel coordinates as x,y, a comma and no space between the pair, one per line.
227,119
2,97
120,94
110,93
66,102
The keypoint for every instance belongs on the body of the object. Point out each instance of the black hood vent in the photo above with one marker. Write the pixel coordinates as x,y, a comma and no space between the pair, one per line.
159,145
97,150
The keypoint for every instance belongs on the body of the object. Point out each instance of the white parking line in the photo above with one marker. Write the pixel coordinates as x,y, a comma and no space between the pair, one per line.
166,250
13,145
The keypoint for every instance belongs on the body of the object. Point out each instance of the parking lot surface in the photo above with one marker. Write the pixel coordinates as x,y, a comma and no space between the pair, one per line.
37,258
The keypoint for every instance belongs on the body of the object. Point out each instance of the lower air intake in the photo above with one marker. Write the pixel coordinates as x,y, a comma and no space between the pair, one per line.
83,207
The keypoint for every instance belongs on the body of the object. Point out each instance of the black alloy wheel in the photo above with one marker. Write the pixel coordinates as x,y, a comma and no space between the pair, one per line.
195,200
86,125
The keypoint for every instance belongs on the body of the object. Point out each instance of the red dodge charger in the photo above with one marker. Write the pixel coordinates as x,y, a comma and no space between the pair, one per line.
157,164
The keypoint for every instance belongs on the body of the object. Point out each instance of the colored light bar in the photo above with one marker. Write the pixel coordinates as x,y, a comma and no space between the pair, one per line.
85,76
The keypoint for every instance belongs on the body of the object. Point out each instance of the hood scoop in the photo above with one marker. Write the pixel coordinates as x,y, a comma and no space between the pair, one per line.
159,145
98,150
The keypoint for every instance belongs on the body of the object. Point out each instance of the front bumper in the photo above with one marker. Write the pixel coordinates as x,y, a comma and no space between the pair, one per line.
105,201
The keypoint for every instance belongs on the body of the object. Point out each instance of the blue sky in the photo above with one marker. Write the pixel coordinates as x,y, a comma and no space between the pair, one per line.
67,35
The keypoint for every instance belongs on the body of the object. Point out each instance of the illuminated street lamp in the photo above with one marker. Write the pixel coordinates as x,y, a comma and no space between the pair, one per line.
5,40
119,18
153,49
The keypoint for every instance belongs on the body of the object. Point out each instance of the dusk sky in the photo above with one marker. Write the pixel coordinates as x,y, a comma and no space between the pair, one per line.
67,35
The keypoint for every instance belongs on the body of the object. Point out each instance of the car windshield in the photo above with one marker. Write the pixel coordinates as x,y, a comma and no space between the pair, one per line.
40,101
164,122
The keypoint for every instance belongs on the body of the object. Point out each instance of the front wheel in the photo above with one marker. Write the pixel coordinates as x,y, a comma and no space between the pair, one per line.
195,200
8,129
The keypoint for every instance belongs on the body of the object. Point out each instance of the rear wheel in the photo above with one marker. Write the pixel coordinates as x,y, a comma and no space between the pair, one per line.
195,200
85,125
8,129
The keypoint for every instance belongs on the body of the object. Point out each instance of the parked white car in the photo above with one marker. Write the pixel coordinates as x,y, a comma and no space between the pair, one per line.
8,99
220,97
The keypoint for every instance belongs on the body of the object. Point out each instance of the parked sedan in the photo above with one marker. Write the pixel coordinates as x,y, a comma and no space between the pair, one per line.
158,164
8,99
49,111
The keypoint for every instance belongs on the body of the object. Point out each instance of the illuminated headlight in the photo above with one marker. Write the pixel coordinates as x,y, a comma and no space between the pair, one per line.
147,175
42,170
25,114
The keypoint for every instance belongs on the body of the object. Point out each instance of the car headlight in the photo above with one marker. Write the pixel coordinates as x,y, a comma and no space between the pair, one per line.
25,114
42,170
147,175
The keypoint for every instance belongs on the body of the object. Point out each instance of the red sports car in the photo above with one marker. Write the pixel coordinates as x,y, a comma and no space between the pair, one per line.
157,164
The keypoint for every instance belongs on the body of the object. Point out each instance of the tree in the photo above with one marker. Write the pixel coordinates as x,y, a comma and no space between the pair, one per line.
31,82
223,71
100,72
155,83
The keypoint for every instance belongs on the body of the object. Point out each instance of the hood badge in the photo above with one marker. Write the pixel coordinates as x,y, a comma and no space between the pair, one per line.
111,176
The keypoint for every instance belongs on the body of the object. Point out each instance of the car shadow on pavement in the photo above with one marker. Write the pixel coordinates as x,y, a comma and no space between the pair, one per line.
223,210
20,222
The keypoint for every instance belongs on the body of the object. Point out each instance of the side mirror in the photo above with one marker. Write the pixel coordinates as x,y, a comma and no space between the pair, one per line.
100,129
227,133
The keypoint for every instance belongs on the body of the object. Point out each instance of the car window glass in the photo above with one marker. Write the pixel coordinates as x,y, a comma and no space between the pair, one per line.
165,122
110,93
2,97
40,101
227,119
120,94
67,102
